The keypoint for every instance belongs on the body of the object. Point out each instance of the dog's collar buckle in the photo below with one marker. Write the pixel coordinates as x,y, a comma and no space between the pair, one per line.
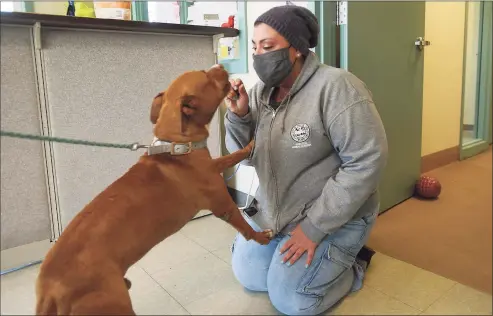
174,148
178,149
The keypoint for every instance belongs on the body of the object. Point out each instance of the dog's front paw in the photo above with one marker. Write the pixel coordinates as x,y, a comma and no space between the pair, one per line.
264,237
250,146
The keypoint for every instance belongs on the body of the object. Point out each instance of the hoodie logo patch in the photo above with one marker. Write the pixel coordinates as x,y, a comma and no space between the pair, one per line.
300,133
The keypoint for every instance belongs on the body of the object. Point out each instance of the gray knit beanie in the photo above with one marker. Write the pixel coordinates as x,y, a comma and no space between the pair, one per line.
298,25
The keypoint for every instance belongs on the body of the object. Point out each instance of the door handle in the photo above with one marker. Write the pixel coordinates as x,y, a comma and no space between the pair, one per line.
420,42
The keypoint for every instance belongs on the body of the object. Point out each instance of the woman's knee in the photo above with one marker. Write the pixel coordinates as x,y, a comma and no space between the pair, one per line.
299,301
296,290
250,278
250,263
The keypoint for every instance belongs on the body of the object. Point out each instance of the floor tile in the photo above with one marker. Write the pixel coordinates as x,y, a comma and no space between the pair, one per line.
234,300
462,300
18,292
149,298
369,301
210,232
172,251
406,283
224,255
182,281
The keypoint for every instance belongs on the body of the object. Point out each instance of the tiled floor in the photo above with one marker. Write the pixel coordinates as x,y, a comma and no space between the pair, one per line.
190,273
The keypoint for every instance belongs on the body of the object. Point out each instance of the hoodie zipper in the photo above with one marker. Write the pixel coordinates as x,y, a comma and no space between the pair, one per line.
274,113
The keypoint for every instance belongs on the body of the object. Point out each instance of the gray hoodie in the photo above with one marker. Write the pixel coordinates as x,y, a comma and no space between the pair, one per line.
319,156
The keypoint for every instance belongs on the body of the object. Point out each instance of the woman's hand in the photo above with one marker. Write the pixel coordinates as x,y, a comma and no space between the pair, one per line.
296,246
240,105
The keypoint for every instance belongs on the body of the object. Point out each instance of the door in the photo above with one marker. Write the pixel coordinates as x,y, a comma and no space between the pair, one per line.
476,114
378,46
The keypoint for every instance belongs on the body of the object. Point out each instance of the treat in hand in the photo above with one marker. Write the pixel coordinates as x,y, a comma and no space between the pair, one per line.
233,94
237,98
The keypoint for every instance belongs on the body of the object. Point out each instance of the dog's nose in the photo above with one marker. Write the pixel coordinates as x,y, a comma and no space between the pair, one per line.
218,66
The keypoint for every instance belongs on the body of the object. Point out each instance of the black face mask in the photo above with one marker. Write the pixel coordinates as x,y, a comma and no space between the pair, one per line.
273,67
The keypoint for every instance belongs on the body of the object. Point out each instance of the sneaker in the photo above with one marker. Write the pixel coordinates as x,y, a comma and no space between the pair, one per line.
365,254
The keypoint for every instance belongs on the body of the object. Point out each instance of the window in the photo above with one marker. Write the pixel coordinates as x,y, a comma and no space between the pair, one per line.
211,13
164,12
232,52
7,6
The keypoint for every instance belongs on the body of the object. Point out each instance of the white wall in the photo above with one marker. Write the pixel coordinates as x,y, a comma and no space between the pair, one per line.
472,57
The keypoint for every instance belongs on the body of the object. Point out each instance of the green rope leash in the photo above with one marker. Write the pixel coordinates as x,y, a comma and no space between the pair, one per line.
133,146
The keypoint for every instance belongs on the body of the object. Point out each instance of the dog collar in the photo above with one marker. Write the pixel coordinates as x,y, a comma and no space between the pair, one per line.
175,149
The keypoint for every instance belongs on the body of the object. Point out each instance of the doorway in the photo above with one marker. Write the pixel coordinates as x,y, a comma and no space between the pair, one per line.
476,121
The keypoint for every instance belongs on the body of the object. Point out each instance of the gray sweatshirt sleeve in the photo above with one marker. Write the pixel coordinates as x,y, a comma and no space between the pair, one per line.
357,133
239,130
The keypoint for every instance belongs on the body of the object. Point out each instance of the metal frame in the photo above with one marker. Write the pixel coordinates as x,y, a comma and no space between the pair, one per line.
140,11
327,48
50,172
342,21
28,6
484,101
184,5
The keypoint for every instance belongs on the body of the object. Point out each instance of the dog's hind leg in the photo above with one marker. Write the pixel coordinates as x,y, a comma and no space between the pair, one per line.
103,303
46,306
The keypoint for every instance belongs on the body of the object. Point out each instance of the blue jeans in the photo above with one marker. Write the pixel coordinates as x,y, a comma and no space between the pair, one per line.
296,290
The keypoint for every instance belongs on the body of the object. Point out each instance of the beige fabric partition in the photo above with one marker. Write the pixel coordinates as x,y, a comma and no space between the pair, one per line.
24,199
83,83
100,87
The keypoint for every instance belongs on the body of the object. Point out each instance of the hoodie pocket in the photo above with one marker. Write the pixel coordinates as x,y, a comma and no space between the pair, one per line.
321,275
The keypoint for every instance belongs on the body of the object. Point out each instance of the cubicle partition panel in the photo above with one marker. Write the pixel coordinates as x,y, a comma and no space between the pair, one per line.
24,200
100,86
86,79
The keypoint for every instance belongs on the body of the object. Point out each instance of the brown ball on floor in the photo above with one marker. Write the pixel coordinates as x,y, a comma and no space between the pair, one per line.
428,187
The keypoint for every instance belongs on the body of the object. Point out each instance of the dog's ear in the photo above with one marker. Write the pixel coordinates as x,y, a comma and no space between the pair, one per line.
187,109
174,117
156,107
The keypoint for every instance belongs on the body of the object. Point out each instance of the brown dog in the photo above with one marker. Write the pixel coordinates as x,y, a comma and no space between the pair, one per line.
83,273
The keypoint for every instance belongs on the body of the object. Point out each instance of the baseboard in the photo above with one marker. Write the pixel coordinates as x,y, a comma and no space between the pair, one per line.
473,148
17,256
440,158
